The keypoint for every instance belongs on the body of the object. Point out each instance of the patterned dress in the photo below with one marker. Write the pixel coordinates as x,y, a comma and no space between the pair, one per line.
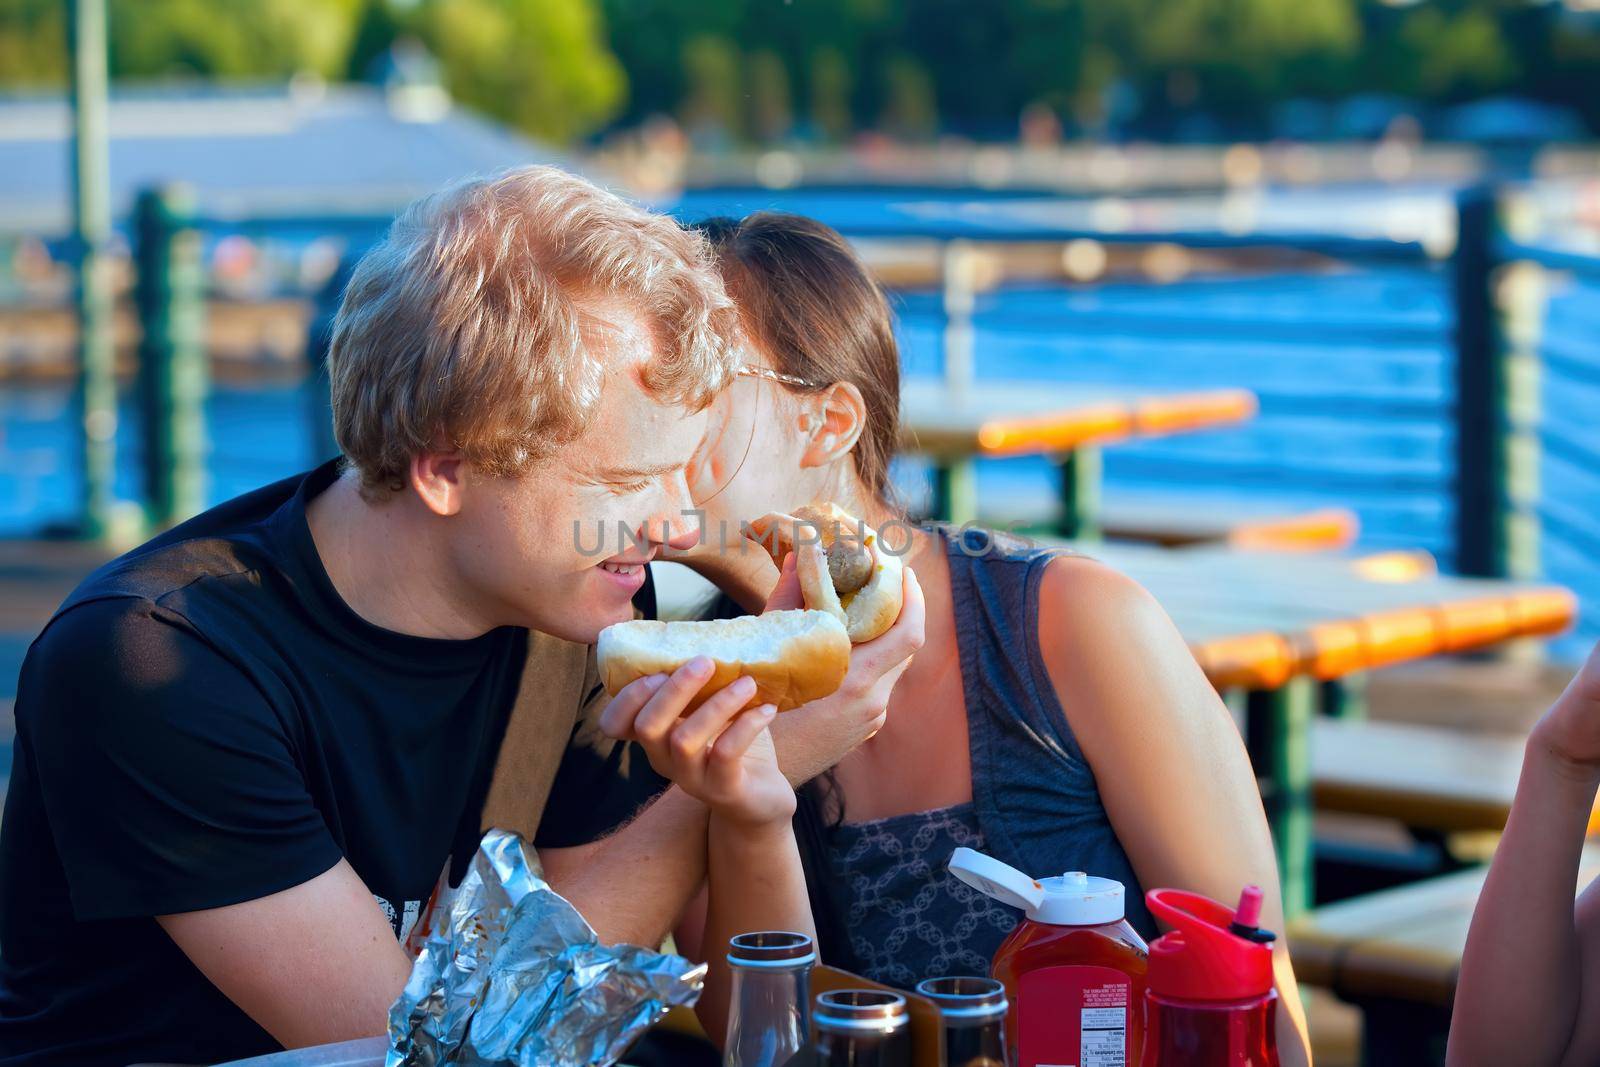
908,918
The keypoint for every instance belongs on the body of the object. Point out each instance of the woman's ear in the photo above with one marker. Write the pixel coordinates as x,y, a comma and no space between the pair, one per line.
833,420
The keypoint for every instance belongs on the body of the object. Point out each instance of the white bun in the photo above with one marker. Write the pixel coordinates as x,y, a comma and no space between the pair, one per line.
795,657
869,611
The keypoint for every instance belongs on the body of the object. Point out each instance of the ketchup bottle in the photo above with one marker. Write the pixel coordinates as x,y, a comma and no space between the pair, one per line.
1210,1001
1073,968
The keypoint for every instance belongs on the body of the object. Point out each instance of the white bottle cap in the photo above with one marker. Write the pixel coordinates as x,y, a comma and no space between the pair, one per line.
1071,899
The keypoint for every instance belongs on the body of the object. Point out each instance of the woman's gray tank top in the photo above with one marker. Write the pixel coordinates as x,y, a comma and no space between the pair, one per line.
1035,804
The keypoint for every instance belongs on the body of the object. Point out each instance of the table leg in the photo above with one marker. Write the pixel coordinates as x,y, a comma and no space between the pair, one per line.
1280,744
1080,494
1346,698
955,490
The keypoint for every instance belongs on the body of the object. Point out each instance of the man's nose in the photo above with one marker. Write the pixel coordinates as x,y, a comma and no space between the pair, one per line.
676,526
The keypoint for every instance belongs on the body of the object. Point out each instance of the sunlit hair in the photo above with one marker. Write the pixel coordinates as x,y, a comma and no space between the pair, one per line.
471,325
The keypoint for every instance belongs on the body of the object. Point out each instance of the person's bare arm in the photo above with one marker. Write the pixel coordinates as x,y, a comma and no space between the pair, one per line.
314,964
1170,765
1529,988
722,754
755,882
632,885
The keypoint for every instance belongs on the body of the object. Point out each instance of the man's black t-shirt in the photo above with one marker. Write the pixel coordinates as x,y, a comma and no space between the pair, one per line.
206,722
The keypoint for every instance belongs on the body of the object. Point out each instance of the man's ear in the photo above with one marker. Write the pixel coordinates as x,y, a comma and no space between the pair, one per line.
437,479
833,420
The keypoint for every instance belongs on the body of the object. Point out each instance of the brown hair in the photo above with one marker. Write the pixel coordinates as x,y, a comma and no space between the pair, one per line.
810,304
472,319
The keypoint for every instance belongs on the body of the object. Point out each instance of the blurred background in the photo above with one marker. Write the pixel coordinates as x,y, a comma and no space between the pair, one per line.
1379,221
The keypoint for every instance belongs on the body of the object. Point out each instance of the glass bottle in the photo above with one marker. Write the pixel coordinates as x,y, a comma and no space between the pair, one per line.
771,991
861,1028
973,1011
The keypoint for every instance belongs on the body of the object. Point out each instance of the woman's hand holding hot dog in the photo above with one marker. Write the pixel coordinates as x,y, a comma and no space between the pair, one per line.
723,756
815,736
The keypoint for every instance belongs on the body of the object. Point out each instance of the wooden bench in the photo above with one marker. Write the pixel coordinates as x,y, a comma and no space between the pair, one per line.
1396,954
1177,521
1182,520
1428,777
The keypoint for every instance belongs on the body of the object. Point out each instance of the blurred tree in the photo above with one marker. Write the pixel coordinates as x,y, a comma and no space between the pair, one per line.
830,94
561,68
377,28
1228,56
652,39
909,108
33,42
541,65
163,38
1454,54
771,107
712,97
252,39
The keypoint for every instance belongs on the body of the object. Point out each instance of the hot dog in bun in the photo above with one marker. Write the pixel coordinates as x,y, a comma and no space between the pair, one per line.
843,567
794,656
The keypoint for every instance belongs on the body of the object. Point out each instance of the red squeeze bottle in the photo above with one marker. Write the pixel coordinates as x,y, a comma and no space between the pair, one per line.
1210,1001
1073,968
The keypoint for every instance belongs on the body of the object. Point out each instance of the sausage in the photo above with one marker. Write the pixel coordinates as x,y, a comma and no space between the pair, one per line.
849,565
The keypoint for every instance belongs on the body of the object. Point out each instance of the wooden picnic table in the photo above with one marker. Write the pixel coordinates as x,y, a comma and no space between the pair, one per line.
1273,626
1397,953
955,424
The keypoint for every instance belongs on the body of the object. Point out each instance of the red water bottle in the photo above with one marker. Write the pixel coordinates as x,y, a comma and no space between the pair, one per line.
1209,1000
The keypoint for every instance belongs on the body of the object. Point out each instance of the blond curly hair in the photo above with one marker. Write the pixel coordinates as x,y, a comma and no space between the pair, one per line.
468,323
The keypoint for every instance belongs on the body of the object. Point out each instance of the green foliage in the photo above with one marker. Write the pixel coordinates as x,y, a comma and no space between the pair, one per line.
540,65
33,42
771,69
909,110
771,109
711,99
830,94
1455,54
234,39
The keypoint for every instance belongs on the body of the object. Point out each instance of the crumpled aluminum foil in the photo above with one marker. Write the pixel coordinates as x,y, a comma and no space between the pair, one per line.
510,975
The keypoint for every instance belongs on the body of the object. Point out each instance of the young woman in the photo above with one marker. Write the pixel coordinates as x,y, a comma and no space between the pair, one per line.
1054,717
1529,990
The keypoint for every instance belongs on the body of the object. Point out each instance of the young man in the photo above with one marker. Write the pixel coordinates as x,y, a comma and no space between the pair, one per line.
246,750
